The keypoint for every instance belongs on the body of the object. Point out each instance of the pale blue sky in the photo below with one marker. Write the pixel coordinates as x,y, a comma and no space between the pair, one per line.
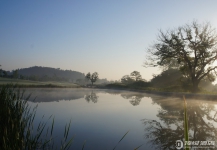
109,37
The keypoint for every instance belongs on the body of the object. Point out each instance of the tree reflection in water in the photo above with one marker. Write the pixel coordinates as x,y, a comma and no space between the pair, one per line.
202,124
91,97
135,98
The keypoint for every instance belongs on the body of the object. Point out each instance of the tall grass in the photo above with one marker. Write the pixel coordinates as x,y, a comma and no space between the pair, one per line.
120,140
17,124
185,123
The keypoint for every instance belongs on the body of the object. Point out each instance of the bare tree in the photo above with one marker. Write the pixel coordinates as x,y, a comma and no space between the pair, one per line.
192,46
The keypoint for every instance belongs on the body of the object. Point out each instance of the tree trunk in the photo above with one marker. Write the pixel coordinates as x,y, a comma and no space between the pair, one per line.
195,86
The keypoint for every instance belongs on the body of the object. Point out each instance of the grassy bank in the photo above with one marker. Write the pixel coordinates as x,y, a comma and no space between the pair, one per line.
167,91
35,84
142,87
148,87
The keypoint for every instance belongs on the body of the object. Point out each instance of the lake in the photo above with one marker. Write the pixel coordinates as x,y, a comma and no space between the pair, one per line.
102,117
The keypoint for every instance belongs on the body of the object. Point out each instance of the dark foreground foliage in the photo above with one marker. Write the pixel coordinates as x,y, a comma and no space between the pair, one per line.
17,128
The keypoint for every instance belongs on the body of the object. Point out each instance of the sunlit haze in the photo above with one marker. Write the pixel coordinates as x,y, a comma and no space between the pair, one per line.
109,37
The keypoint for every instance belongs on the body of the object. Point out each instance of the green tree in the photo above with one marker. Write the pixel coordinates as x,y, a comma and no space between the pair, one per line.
136,75
127,79
5,74
92,77
167,78
192,47
15,74
1,71
22,77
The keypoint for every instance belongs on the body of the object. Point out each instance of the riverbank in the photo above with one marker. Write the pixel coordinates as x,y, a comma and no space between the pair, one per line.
188,95
172,92
37,84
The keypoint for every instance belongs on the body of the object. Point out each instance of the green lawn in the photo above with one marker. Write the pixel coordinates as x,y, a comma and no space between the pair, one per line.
29,83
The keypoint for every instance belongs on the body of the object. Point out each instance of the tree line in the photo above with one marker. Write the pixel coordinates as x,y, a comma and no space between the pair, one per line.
83,80
170,80
188,52
187,56
16,75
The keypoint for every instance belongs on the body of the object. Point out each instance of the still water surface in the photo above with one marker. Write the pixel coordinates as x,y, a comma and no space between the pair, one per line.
102,117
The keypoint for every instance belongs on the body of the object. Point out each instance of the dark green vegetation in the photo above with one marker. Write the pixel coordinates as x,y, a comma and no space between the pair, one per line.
17,124
191,49
133,77
170,80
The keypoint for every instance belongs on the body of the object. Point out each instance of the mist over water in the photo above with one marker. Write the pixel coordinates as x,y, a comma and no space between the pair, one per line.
102,117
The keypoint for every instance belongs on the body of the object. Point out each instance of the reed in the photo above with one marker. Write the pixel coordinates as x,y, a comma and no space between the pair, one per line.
120,140
17,124
185,123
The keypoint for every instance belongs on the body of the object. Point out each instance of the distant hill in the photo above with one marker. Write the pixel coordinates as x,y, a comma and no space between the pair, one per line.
47,72
38,73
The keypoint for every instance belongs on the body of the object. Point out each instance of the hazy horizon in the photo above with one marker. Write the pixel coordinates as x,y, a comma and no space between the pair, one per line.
108,37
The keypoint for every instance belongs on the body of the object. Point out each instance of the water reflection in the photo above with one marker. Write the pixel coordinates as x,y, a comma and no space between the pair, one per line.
58,94
135,98
202,116
91,97
110,119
